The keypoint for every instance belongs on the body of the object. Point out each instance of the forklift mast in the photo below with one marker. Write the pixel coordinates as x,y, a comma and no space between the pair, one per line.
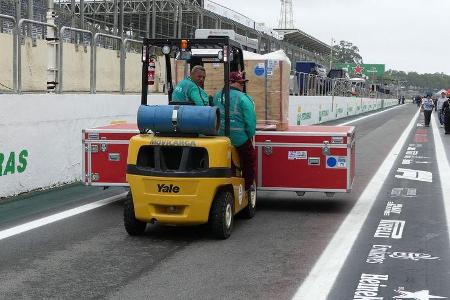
229,53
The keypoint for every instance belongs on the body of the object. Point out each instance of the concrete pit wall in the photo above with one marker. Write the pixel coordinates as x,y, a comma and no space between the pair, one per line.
76,67
40,134
6,62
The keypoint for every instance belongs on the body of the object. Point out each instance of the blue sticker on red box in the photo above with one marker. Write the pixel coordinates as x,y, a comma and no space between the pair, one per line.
336,162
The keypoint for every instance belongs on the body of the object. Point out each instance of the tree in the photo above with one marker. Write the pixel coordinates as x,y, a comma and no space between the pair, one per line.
346,52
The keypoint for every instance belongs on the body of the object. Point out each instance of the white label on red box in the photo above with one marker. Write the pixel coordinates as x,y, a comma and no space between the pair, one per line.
294,155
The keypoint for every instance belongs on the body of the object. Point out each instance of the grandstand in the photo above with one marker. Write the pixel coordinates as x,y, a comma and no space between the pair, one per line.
159,19
86,26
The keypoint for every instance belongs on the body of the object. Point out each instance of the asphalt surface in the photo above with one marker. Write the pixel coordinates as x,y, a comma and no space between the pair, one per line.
268,257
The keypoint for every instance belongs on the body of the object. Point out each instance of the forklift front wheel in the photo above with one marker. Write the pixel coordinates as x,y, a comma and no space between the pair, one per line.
221,214
132,225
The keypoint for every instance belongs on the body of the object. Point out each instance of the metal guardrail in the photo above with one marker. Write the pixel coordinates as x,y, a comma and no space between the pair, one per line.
14,31
122,61
94,62
19,52
61,60
303,84
17,55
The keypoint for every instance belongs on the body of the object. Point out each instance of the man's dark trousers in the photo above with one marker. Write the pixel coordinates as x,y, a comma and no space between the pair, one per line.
247,157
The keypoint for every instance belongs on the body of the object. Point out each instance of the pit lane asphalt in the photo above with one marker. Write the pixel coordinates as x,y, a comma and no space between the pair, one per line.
91,256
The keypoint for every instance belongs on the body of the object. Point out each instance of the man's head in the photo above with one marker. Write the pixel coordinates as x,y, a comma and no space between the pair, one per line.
237,80
443,94
198,75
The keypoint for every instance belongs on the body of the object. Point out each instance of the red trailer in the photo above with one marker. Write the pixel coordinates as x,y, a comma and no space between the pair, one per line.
300,159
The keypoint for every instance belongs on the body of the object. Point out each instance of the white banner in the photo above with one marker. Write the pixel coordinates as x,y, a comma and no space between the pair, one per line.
228,13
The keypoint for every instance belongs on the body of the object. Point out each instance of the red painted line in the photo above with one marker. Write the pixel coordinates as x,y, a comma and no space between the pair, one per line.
421,138
422,131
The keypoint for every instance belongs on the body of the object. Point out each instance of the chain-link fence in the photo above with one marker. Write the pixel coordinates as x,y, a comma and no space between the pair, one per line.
303,84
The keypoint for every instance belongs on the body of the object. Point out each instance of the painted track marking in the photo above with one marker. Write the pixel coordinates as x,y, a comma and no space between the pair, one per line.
320,280
444,169
368,116
59,216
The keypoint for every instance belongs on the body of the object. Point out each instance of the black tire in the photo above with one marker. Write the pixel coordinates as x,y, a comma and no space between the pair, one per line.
249,211
220,220
132,225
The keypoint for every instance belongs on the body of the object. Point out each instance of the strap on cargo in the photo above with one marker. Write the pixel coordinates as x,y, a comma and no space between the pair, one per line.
175,117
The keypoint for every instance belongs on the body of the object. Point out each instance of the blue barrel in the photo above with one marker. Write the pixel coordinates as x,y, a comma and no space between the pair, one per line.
185,119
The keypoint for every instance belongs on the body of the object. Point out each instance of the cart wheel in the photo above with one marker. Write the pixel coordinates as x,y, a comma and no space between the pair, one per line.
132,225
221,214
250,209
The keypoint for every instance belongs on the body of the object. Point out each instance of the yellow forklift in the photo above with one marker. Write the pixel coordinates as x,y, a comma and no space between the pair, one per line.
178,176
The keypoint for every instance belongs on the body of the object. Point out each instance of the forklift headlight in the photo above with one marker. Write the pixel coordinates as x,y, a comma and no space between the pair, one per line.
166,49
144,53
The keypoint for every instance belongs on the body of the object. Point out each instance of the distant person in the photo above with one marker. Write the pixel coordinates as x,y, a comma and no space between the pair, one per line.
190,90
440,103
418,100
427,108
403,99
446,115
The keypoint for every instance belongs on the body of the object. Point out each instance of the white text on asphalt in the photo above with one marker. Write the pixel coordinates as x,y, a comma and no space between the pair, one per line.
391,207
416,175
403,192
390,229
369,287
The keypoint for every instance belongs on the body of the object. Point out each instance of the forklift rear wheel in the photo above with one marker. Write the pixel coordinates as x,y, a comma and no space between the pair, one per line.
132,225
250,209
221,215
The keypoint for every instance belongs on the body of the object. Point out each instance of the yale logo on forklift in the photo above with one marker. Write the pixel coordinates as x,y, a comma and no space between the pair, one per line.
164,188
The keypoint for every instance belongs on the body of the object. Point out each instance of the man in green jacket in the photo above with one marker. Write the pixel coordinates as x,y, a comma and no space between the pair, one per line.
242,124
190,91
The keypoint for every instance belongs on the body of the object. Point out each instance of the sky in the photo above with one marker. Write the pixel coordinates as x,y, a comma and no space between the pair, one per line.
405,35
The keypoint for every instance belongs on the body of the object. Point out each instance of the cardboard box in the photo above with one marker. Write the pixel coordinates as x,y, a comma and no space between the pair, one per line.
268,86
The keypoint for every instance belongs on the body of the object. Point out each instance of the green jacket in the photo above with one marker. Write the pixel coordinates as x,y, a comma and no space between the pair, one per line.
242,116
187,91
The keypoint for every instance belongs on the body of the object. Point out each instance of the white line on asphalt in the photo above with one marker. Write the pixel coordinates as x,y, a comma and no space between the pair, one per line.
324,273
57,217
368,116
444,169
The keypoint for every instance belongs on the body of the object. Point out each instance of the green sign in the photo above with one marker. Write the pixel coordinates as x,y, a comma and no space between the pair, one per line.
303,117
370,70
13,162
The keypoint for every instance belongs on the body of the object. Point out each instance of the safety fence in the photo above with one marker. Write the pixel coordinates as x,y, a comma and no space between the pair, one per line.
132,19
304,84
28,58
